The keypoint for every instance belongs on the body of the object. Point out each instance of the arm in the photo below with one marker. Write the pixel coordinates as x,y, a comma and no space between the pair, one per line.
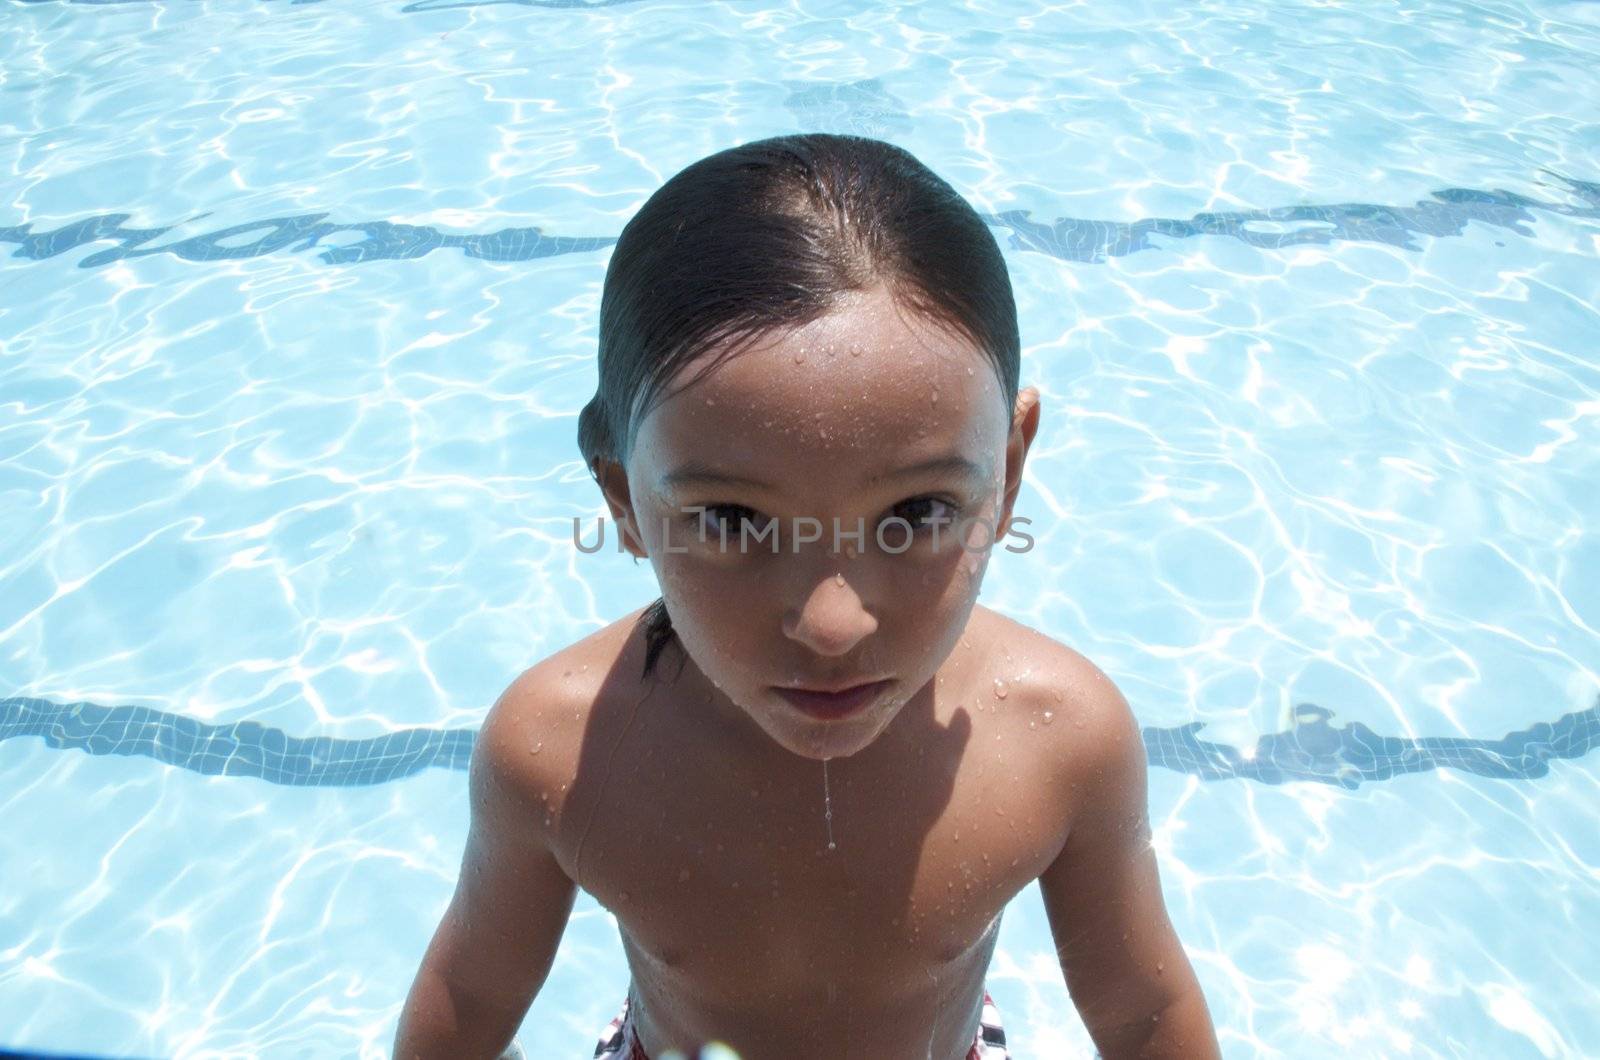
499,935
1125,968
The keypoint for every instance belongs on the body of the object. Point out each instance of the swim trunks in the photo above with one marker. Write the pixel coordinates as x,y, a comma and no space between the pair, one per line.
618,1042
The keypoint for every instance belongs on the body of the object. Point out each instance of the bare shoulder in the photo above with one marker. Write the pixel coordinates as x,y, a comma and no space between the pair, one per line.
1048,671
531,737
1081,718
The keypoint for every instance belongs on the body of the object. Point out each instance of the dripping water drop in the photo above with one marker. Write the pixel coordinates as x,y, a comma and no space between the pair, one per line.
827,804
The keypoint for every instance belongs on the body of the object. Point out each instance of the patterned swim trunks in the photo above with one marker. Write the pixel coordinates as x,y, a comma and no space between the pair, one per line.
618,1042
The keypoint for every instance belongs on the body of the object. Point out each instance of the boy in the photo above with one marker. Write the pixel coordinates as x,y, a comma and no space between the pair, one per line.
788,907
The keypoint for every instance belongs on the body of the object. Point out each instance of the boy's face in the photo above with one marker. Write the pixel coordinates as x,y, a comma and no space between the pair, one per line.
820,422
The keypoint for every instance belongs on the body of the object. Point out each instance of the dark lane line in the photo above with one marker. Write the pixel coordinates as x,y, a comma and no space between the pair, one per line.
1312,750
1447,213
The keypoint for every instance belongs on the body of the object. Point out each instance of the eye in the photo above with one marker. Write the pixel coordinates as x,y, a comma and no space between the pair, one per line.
921,511
718,519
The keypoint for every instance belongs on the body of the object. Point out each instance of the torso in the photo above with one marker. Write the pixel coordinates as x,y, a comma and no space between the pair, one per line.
740,924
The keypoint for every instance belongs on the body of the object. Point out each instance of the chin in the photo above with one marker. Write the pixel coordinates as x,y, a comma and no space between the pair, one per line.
829,741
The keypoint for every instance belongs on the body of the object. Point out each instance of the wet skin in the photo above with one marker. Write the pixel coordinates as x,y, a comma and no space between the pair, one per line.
691,803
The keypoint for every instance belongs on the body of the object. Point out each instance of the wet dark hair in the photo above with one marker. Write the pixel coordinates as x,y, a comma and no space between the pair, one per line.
768,236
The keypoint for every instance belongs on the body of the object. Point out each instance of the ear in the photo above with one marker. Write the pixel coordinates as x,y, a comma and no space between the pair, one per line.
1024,425
613,480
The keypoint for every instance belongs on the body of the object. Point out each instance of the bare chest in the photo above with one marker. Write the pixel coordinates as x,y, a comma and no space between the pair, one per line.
726,888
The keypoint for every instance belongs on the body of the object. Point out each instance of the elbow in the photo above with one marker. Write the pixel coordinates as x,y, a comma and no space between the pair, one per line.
437,1022
1180,1029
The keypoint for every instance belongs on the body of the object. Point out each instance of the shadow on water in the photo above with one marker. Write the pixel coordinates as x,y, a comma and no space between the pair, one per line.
1312,749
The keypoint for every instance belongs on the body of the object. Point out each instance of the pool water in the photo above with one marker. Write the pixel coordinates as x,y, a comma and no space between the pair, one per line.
298,305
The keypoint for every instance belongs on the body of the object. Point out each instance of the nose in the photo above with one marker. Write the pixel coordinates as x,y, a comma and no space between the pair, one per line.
831,620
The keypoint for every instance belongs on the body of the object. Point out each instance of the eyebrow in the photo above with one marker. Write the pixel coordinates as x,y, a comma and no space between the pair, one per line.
700,474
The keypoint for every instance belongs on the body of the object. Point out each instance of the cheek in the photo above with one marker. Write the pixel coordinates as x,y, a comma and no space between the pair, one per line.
922,601
724,603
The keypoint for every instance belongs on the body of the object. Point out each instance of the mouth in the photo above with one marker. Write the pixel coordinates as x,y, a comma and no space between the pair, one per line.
834,705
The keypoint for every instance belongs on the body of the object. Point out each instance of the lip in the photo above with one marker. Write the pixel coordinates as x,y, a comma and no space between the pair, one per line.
834,705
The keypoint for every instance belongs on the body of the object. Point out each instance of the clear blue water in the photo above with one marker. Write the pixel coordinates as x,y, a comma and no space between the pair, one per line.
298,307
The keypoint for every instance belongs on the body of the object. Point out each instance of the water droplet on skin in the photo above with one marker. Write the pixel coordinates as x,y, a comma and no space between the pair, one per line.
800,357
1049,716
1031,725
1160,968
838,579
1078,722
855,351
969,369
935,399
536,748
1000,690
1056,693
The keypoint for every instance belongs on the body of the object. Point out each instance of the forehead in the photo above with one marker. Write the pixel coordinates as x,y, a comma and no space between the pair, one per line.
869,386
